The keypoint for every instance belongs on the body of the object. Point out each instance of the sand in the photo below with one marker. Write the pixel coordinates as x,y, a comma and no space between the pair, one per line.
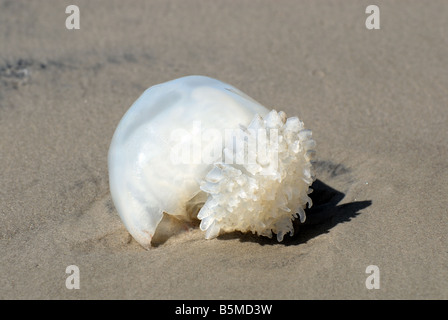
376,101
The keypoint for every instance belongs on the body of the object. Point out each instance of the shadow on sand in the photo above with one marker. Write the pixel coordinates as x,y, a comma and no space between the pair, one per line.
323,216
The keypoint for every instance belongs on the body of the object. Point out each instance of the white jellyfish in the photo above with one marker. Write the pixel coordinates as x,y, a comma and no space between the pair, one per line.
196,142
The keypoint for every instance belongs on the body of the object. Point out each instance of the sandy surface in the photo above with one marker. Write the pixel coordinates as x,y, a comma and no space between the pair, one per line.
377,102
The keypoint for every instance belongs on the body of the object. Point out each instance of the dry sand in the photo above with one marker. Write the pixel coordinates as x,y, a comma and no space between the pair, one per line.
376,100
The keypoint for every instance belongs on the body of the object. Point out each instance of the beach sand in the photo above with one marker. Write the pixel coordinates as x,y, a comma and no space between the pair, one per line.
376,101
